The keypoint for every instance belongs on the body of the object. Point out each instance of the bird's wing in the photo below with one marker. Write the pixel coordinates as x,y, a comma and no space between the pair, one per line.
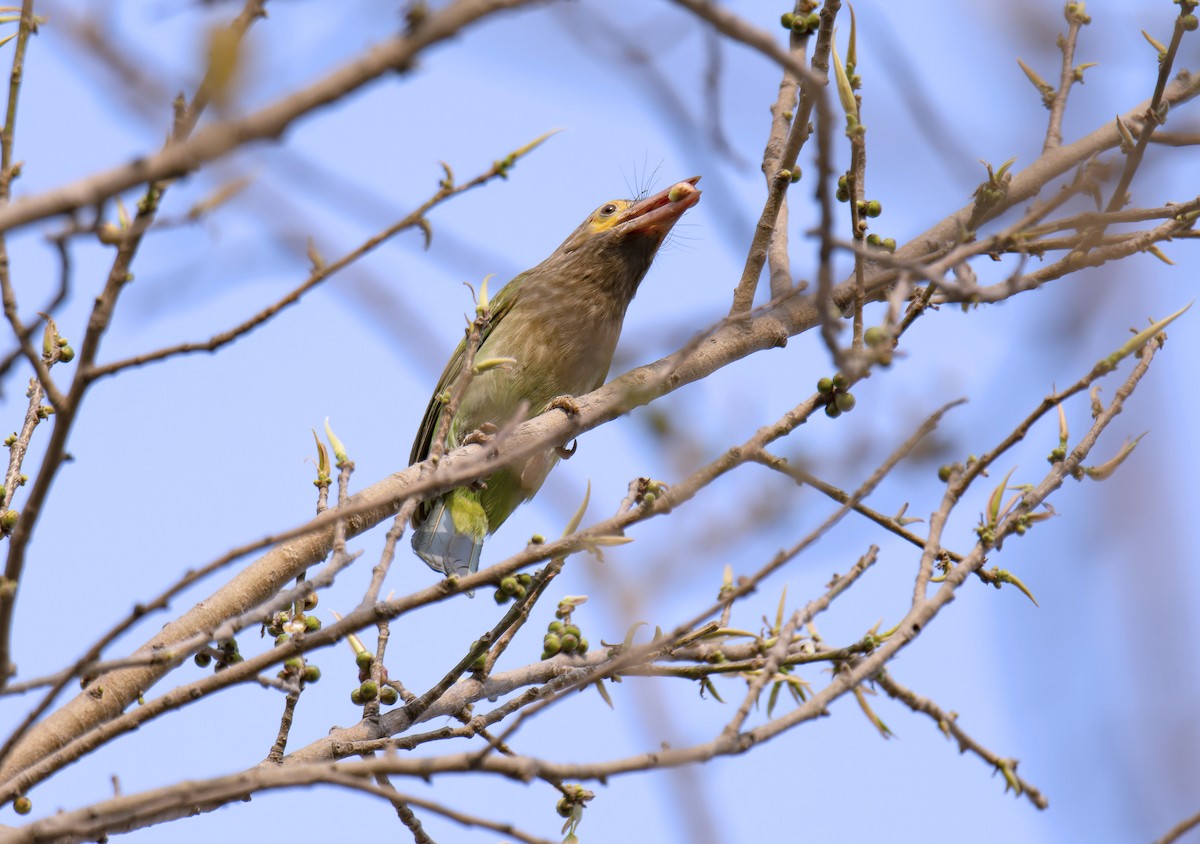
500,305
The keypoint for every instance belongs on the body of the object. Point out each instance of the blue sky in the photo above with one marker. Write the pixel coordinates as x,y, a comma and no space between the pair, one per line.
177,462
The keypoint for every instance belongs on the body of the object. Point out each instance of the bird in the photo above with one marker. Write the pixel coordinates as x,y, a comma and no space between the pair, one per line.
559,323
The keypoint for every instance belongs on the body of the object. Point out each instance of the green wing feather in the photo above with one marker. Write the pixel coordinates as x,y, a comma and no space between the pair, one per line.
501,304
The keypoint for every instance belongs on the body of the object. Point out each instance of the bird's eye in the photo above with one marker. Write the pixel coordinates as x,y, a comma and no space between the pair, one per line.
608,210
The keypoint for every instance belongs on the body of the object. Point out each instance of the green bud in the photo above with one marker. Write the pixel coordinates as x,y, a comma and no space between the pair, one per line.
501,596
889,243
582,647
537,539
839,381
524,579
280,638
842,195
492,363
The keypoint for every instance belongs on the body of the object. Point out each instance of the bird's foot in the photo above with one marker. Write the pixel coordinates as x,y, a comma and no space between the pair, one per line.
482,436
567,452
567,404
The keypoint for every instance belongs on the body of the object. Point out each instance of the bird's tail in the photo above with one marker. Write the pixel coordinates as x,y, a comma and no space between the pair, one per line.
450,538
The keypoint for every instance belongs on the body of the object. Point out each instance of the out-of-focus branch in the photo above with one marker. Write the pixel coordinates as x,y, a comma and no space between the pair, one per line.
219,139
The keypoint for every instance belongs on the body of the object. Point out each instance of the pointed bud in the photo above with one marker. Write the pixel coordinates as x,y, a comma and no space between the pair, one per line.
1127,142
492,363
1104,471
1140,339
845,92
482,305
322,457
339,450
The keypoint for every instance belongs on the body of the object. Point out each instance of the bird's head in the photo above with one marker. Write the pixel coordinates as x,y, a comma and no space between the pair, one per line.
617,241
621,222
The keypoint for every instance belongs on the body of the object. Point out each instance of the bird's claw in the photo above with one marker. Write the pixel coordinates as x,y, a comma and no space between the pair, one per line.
482,436
567,452
566,404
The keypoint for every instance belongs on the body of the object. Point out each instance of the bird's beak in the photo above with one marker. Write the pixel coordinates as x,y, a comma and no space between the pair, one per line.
655,215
